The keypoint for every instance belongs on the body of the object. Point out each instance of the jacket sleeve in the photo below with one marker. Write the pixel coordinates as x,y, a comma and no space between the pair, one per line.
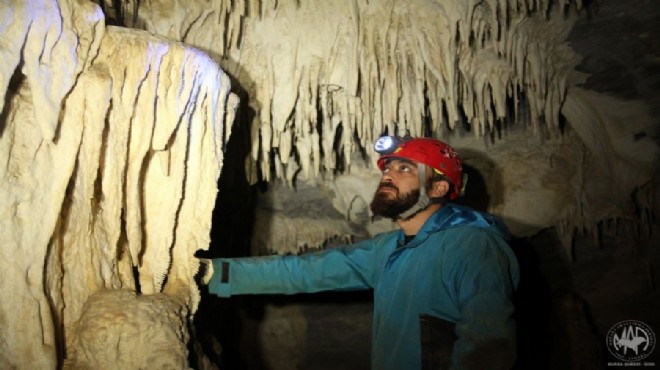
484,274
345,268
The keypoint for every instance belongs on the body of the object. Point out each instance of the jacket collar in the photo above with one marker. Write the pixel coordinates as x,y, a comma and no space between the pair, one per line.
453,215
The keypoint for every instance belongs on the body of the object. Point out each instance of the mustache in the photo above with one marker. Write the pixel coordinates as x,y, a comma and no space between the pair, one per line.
387,185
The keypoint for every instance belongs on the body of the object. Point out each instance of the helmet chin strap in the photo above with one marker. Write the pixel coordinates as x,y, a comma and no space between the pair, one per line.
423,201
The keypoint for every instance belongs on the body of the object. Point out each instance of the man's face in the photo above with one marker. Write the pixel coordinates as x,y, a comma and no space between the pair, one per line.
398,189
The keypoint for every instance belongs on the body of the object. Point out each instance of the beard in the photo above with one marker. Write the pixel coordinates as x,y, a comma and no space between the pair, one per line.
391,205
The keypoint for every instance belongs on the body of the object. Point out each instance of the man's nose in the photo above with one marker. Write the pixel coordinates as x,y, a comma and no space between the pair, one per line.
387,177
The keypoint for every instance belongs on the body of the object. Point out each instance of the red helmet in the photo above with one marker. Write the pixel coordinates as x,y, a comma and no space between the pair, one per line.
434,153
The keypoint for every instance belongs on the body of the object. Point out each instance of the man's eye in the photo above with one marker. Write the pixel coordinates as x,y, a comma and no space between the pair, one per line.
405,168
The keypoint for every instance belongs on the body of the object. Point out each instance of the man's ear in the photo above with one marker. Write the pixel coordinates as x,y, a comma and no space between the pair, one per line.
439,189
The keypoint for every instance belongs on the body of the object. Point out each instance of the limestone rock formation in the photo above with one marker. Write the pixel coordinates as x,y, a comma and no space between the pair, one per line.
111,142
118,329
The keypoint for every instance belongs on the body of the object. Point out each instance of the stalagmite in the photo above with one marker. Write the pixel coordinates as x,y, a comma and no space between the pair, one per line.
112,143
121,330
292,222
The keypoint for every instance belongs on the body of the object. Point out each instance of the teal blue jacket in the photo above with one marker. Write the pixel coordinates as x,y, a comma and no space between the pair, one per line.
455,280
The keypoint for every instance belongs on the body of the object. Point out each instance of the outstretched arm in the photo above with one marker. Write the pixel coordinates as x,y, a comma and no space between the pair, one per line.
344,268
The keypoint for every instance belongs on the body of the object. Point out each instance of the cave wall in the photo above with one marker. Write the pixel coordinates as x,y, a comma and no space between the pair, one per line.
112,141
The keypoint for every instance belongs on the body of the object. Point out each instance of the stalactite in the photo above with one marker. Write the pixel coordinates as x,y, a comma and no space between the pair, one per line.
382,63
47,41
294,235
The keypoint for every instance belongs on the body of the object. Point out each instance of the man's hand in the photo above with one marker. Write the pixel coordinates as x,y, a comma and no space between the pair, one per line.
205,266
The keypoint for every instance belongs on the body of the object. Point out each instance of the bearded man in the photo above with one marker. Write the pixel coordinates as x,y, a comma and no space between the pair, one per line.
443,283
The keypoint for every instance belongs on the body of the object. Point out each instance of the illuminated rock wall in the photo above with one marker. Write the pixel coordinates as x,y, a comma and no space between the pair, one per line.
111,142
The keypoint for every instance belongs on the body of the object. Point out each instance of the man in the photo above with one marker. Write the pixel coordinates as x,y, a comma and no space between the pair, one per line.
443,283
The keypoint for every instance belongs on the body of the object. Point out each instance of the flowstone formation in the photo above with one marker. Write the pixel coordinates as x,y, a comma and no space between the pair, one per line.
111,142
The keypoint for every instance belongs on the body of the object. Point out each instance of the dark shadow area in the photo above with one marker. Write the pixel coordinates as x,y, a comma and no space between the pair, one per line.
336,337
619,48
476,195
217,324
14,84
533,315
555,323
483,189
338,334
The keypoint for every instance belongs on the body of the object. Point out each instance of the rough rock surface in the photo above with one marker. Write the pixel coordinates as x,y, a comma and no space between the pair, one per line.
111,142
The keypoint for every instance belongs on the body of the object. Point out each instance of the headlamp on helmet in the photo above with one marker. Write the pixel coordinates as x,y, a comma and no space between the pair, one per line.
432,152
387,144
